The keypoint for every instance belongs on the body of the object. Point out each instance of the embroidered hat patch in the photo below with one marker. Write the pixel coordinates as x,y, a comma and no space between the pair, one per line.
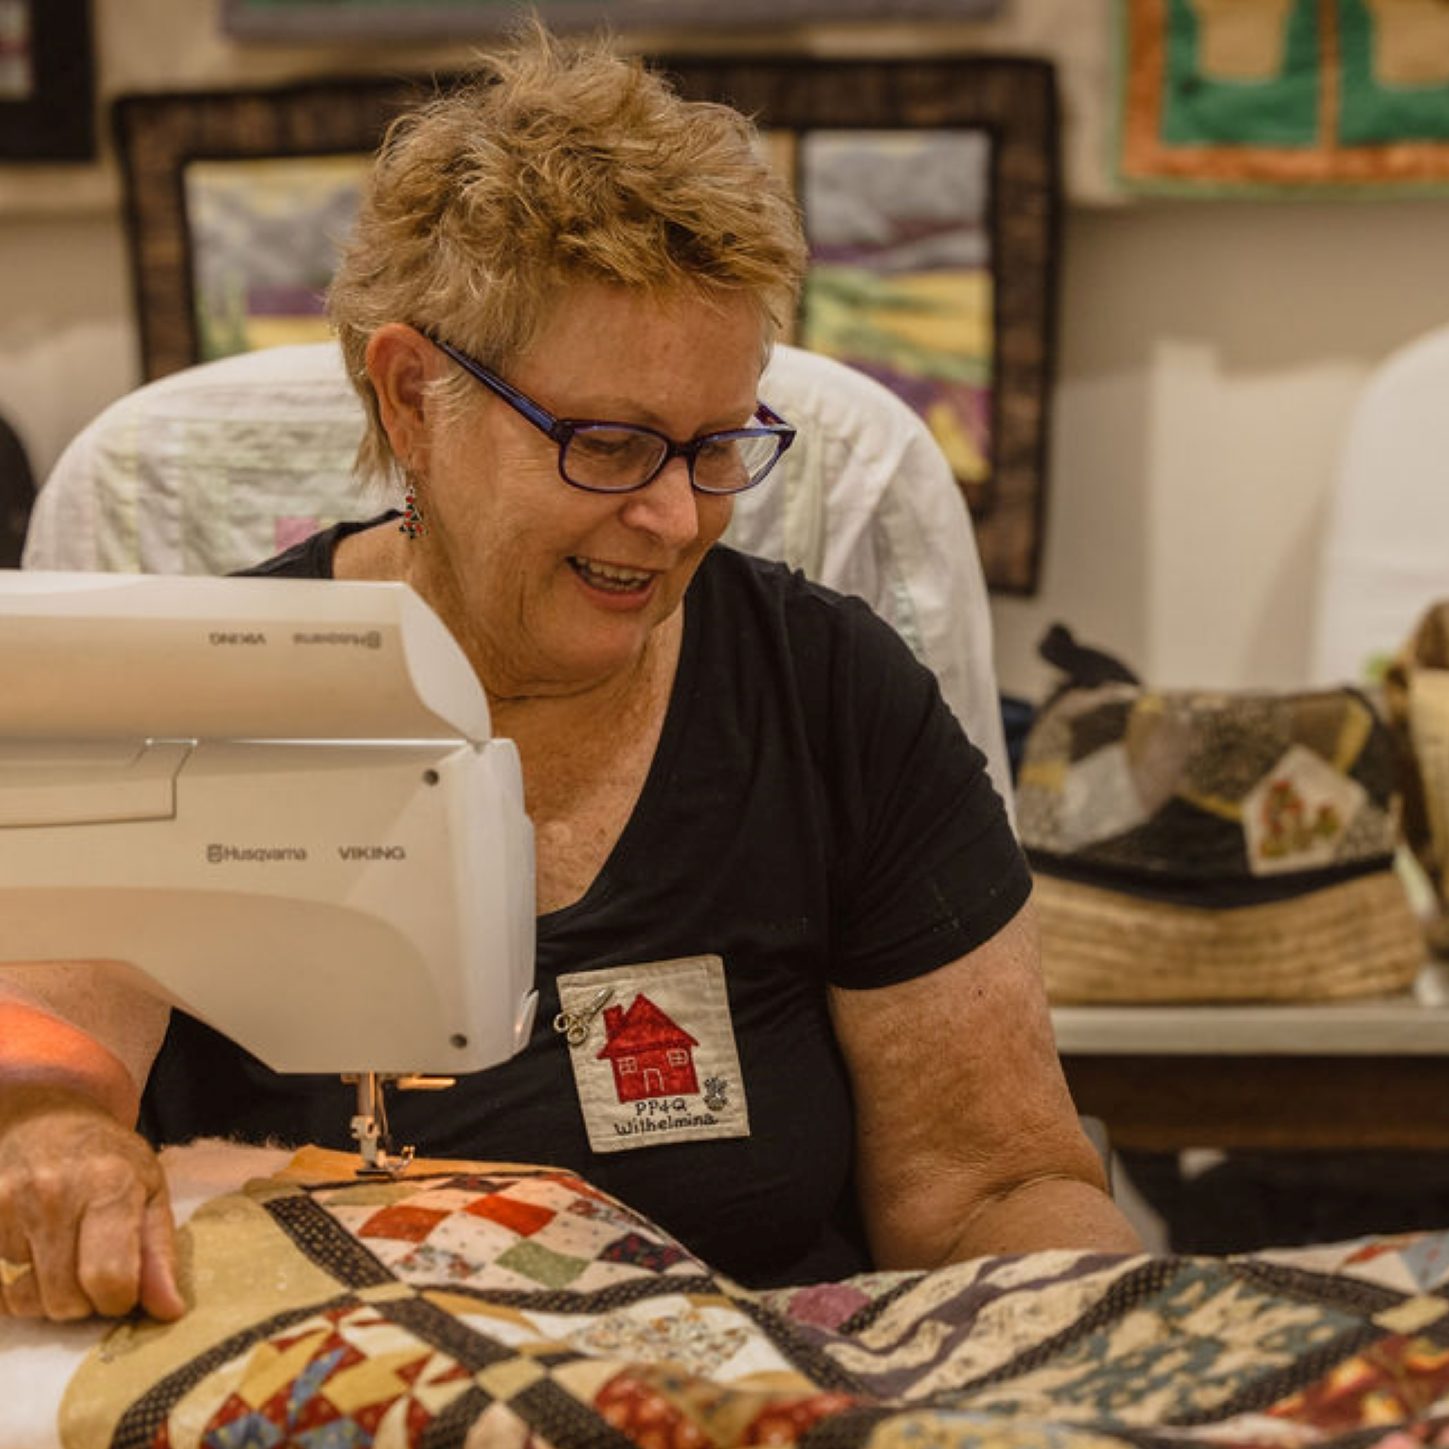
653,1053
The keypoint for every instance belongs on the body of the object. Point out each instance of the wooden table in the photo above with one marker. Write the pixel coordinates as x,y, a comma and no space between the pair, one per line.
1369,1074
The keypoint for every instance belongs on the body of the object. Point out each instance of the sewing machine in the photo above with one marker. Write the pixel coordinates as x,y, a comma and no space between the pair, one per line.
276,804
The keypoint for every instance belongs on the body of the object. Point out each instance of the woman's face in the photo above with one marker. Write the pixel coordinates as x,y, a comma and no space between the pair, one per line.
559,588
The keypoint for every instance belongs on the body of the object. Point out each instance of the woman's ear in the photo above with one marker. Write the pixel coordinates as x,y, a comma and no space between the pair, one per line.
400,363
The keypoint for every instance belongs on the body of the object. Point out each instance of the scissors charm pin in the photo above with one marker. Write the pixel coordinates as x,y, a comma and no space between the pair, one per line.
574,1025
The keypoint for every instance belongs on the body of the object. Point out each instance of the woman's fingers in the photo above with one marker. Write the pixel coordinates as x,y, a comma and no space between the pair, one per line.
19,1290
85,1222
160,1293
108,1257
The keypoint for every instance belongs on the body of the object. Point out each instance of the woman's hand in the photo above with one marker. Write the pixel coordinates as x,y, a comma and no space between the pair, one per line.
85,1219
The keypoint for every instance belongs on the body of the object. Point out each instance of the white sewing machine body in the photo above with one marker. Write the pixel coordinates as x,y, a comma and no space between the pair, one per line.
276,800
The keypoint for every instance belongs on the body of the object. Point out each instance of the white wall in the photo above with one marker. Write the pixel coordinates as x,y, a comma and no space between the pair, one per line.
1209,352
1209,356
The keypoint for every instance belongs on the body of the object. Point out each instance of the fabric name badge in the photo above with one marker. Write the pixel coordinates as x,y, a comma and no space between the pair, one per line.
653,1053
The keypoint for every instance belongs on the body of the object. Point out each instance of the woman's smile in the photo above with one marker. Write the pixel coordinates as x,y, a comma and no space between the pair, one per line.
620,582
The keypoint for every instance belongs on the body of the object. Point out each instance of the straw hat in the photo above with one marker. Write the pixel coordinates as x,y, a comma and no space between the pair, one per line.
1194,846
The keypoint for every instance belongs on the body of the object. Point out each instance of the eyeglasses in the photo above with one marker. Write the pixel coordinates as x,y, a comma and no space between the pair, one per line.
605,457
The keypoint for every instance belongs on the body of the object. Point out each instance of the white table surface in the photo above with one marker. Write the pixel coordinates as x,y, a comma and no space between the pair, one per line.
1416,1023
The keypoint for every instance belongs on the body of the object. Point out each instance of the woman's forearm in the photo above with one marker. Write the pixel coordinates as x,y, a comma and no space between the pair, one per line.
1046,1212
39,1049
85,1023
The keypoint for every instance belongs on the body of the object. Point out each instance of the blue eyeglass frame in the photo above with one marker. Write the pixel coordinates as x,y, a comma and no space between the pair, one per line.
561,430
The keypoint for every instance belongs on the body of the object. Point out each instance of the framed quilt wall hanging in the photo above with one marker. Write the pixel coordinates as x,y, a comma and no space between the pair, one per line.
931,197
1284,96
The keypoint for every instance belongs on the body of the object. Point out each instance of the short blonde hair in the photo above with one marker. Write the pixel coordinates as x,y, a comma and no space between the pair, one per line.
556,164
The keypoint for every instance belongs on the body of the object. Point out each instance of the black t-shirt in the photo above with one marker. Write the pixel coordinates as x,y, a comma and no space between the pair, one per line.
813,815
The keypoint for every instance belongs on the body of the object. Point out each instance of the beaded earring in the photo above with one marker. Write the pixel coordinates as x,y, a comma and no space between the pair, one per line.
412,524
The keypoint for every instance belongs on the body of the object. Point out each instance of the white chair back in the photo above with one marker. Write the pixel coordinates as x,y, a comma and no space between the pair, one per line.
226,463
1386,549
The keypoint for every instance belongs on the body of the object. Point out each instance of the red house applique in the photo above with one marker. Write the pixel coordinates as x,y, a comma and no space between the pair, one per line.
651,1055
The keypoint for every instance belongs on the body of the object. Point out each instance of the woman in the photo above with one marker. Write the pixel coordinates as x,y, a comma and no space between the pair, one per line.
778,899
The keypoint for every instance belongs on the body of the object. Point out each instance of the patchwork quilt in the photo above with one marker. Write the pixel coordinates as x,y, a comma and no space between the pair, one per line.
470,1305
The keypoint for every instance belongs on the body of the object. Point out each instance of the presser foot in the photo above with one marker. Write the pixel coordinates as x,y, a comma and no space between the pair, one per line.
377,1161
369,1123
370,1130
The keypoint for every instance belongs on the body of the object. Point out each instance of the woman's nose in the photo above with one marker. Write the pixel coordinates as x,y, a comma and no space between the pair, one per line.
668,506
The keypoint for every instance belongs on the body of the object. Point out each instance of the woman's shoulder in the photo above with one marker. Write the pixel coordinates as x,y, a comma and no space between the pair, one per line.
312,557
731,573
734,586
